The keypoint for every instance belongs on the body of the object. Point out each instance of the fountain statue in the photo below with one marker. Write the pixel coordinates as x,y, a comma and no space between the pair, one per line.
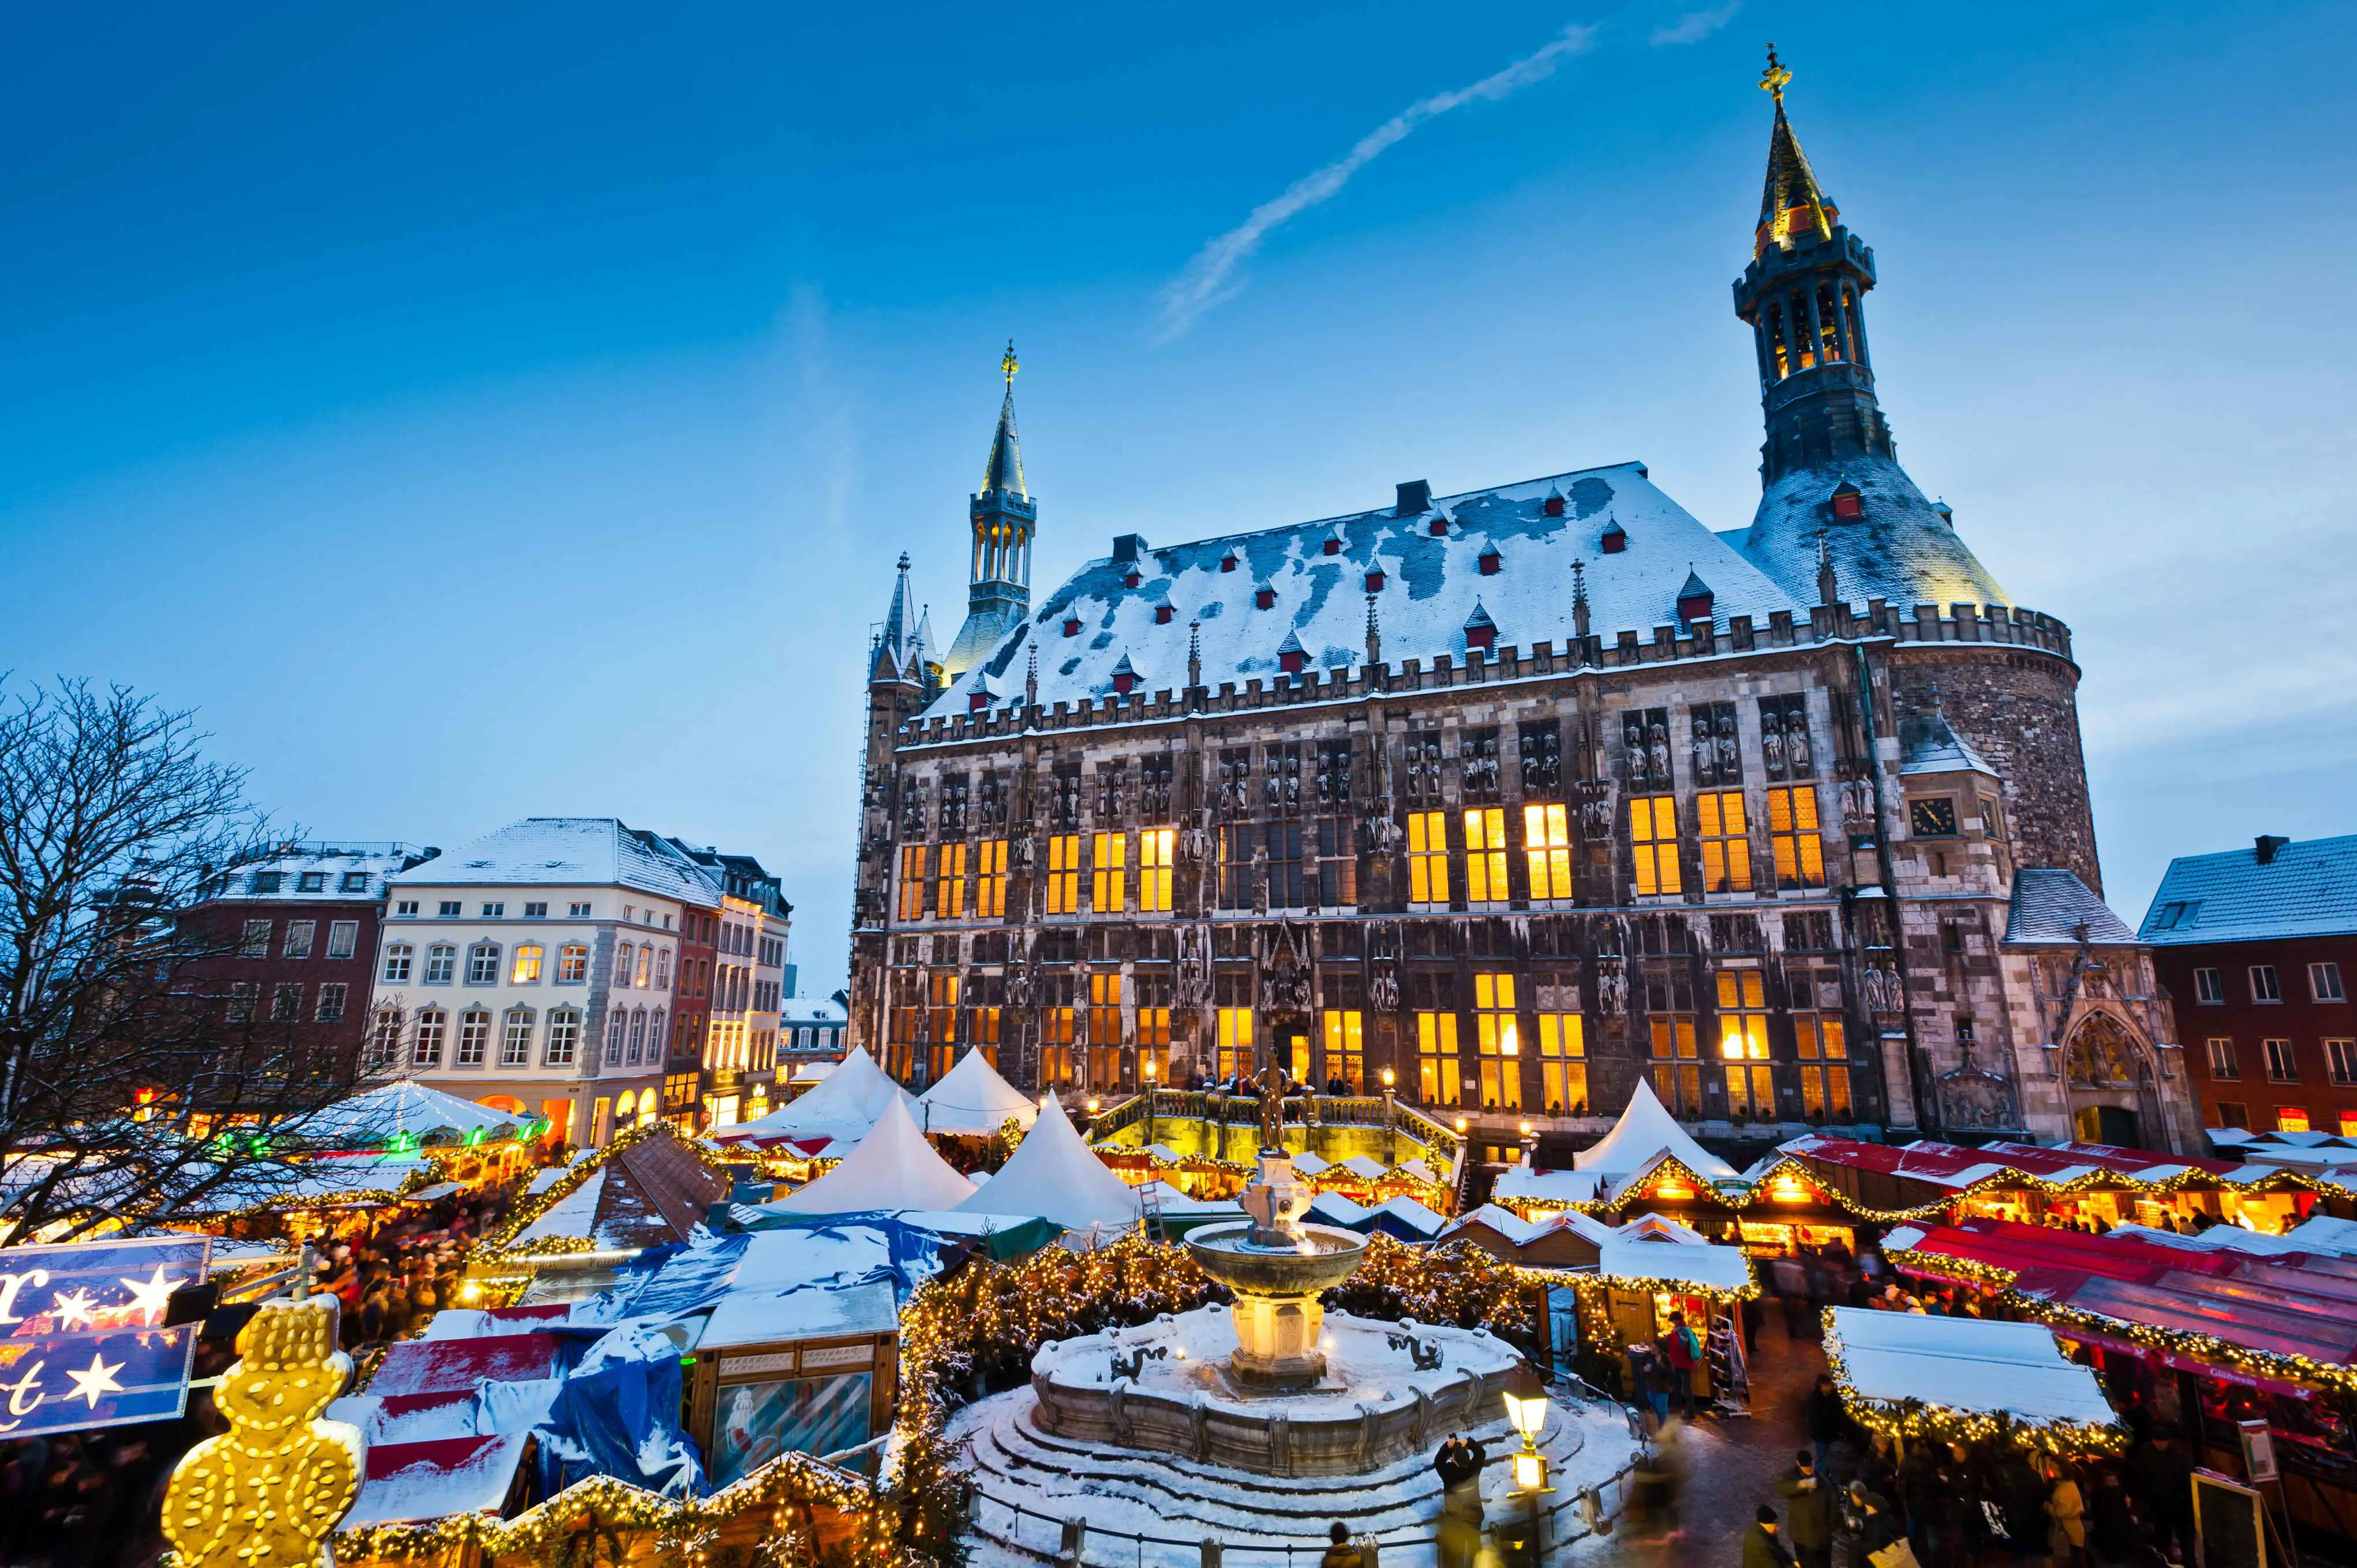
1277,1266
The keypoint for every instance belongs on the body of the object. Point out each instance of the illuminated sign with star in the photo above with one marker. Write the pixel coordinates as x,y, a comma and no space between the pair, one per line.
82,1340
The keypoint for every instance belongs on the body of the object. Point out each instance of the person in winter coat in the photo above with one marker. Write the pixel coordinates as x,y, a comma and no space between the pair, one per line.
2119,1534
2162,1477
2022,1494
1822,1414
1871,1525
1341,1554
2066,1515
1458,1466
1760,1547
1653,1374
1682,1350
1809,1509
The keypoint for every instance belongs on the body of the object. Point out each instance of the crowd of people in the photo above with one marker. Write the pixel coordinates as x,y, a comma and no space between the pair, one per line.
94,1499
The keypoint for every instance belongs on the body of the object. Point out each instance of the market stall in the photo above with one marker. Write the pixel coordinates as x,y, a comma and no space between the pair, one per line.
1652,1269
1053,1175
1966,1380
971,1100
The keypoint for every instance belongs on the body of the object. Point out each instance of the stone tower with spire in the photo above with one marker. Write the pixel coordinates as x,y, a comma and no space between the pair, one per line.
1004,514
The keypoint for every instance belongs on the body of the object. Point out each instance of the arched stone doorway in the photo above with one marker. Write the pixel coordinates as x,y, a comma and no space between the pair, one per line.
2109,1068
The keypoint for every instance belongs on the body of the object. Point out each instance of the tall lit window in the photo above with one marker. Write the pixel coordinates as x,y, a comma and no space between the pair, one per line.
1063,874
1346,1056
990,879
572,964
1485,855
1499,1035
949,881
426,1049
1427,857
1104,1031
1150,1007
1824,1052
523,964
1547,846
625,958
1726,841
643,976
1794,837
1653,835
1235,1040
912,881
1056,1033
1109,873
941,1007
1743,1044
1562,1063
1677,1068
1436,1051
1156,850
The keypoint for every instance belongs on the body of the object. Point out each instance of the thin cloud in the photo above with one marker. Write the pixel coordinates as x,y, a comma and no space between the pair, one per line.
1209,279
1697,26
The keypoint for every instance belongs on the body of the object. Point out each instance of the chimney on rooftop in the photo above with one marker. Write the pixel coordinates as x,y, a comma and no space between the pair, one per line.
1414,498
2269,843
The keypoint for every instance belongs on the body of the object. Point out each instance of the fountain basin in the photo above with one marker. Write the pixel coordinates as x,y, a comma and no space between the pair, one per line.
1277,1318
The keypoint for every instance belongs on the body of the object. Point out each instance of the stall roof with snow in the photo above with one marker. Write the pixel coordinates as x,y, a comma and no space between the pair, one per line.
842,1110
405,1111
1967,1365
649,1192
891,1167
1644,1132
1053,1175
1703,1267
972,1098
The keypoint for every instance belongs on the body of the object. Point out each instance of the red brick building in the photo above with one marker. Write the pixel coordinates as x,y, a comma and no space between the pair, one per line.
298,934
2257,949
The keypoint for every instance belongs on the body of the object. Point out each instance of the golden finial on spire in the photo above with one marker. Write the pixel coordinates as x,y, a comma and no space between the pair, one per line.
1772,80
1009,364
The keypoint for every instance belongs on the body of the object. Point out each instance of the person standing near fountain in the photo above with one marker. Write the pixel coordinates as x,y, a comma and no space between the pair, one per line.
1458,1466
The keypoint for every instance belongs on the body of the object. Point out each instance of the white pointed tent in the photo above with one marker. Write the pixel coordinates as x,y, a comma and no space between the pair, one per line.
844,1107
1644,1132
1053,1175
893,1168
404,1108
973,1099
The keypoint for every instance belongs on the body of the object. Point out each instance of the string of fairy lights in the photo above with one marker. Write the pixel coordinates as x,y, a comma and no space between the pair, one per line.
1917,1419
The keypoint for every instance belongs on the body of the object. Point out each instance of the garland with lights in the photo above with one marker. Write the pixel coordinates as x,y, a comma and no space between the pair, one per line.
498,1246
2149,1336
1909,1418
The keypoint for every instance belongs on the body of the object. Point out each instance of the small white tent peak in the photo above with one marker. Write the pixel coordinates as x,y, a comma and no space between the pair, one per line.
973,1099
1053,1175
843,1107
893,1168
404,1108
1644,1131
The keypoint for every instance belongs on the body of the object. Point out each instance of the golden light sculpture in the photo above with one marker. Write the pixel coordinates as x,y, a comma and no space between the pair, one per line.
269,1494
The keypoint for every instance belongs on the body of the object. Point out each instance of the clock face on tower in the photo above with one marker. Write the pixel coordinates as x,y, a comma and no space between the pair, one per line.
1931,819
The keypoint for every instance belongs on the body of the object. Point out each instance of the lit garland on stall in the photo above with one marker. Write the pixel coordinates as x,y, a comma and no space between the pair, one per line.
496,1246
1913,1418
2146,1336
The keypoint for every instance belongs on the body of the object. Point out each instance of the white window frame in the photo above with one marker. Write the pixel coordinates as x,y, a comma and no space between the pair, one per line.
2324,981
336,992
2341,1060
433,1032
483,963
2283,1065
516,959
441,965
343,938
624,957
563,1036
618,1029
384,1036
406,909
296,943
2224,1067
255,942
2209,987
2274,984
474,1038
573,964
516,1031
535,911
399,959
579,911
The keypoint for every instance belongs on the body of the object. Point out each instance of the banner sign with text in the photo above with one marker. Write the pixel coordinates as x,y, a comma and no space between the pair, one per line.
82,1340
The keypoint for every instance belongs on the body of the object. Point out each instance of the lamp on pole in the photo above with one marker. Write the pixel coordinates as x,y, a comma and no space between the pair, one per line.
1391,1120
1526,1411
1148,1067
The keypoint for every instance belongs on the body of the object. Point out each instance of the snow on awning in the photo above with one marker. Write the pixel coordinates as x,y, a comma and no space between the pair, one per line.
409,1482
1702,1267
1963,1366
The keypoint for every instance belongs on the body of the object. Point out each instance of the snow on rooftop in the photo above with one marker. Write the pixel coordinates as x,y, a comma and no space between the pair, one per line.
2308,888
1965,1364
408,1482
1052,1174
583,852
1432,585
892,1167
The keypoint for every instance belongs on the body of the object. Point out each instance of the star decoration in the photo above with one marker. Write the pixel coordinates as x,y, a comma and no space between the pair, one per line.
73,1309
150,1297
95,1379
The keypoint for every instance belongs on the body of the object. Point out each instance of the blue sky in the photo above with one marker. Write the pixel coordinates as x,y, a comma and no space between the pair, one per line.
480,411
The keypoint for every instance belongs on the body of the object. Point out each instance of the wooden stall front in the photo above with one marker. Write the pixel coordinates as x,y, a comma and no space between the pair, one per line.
814,1371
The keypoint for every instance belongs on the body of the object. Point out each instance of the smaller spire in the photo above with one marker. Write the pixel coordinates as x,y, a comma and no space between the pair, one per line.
1194,654
1374,634
1579,604
1032,677
1004,471
1828,585
1793,207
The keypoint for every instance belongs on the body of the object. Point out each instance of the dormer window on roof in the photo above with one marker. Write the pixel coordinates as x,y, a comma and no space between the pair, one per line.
1227,562
1491,561
1849,501
1124,676
1694,598
1071,626
1164,613
1265,598
1333,544
1615,540
976,701
1481,631
1555,503
1130,579
1375,582
1291,657
1439,525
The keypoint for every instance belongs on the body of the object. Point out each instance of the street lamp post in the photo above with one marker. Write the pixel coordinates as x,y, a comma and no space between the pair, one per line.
1148,1067
1526,1408
1391,1120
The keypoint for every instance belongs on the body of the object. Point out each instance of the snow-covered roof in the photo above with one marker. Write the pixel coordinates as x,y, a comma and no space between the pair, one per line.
1967,1364
2217,1239
2309,888
570,852
1053,1175
793,1011
1644,1131
2050,905
1929,744
1407,1215
338,872
2322,1233
892,1167
1432,584
972,1098
1333,1208
1364,1166
1516,1230
1899,548
1700,1265
412,1482
843,1108
803,1312
404,1108
1522,1184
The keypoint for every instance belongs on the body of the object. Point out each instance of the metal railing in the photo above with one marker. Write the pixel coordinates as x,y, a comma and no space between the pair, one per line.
1370,1111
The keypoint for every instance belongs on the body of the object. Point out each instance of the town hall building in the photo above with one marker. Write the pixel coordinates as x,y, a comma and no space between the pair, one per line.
1510,800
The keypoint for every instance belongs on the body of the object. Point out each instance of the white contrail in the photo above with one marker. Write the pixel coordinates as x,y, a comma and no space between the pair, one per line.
1697,26
1206,282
